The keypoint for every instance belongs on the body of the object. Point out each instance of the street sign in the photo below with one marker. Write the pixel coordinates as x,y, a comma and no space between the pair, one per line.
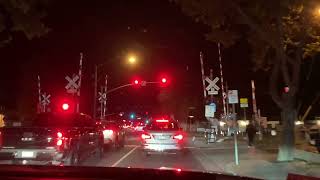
244,102
212,88
45,99
210,110
233,96
72,85
102,97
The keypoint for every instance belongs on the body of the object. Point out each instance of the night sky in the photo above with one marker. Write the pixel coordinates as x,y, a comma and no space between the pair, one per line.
166,41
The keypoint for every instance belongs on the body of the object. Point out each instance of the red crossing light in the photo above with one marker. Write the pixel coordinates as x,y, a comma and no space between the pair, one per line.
164,80
65,106
136,82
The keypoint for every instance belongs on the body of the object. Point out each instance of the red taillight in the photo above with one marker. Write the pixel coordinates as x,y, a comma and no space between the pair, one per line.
162,120
59,134
59,142
107,132
59,138
145,136
179,137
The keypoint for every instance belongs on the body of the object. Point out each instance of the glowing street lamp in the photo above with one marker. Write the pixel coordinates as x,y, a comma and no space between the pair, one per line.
132,59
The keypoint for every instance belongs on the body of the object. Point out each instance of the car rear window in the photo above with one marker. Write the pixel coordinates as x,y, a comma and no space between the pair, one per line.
65,120
154,125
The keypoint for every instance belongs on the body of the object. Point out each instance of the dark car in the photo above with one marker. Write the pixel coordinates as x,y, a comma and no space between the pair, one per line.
113,134
57,139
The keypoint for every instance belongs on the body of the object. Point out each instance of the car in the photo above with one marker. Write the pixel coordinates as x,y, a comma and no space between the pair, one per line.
114,134
52,139
138,126
163,135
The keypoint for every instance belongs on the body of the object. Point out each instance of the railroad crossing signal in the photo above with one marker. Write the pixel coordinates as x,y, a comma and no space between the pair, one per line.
212,88
102,97
72,86
45,99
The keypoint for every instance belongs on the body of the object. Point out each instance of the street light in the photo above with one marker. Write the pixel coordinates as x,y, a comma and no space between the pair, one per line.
132,59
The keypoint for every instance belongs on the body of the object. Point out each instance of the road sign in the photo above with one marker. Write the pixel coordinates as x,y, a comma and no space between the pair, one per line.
233,96
45,99
72,85
210,110
212,88
102,97
244,102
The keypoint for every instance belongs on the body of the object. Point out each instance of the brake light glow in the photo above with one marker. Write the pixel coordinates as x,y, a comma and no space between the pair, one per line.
162,120
145,136
179,137
59,142
107,132
59,134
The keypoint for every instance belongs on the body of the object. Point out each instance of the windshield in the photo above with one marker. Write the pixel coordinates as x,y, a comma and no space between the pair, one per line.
162,125
187,85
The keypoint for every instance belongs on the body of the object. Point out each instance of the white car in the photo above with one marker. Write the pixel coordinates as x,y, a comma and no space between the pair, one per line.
163,135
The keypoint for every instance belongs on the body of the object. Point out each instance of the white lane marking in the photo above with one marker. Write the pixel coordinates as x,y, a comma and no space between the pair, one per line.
123,157
131,145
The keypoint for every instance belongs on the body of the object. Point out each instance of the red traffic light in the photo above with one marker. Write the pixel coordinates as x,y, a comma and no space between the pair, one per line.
136,81
65,106
164,80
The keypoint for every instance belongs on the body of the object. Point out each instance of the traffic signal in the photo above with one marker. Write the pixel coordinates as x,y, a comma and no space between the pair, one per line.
164,80
136,82
65,106
132,116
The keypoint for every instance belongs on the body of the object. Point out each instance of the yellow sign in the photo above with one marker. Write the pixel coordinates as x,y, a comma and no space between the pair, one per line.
1,120
244,102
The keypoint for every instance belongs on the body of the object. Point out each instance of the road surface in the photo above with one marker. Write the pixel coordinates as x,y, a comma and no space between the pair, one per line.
197,159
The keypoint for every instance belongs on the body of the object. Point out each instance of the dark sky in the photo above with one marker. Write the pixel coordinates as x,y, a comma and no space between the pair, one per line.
167,42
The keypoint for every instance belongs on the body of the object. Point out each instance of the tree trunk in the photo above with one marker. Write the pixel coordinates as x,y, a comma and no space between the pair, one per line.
286,149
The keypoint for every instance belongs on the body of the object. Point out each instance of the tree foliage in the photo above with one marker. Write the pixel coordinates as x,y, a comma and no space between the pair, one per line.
24,16
281,33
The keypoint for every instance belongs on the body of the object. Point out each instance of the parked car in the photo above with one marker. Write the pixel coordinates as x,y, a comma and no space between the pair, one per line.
52,138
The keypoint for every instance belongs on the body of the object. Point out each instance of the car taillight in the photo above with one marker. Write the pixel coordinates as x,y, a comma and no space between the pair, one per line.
178,136
59,142
145,136
59,134
107,132
59,138
162,120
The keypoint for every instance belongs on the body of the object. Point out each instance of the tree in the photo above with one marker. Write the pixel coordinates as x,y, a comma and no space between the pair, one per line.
282,34
24,16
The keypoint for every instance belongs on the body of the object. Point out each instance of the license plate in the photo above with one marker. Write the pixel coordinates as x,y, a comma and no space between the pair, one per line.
162,137
27,154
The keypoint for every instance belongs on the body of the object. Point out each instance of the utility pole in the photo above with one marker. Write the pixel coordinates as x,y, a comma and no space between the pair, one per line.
80,77
95,92
211,77
39,95
223,93
105,102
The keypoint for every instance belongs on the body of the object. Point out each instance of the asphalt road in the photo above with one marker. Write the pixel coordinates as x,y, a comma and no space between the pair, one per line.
132,156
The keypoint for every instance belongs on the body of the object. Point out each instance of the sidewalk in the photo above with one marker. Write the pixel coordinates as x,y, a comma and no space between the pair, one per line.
219,157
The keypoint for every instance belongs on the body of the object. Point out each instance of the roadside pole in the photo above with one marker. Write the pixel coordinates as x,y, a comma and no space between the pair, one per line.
211,77
105,101
39,96
80,77
95,92
245,113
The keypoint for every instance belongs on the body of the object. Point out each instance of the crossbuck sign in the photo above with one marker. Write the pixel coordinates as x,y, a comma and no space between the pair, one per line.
102,97
45,99
72,85
212,88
